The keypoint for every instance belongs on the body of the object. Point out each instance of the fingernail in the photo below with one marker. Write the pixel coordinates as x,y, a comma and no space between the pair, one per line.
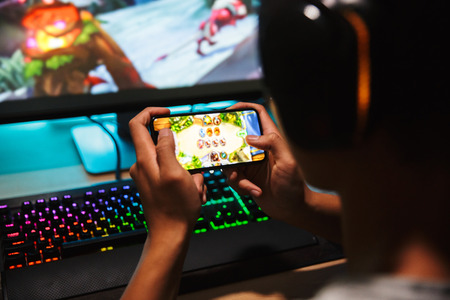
255,193
164,132
252,138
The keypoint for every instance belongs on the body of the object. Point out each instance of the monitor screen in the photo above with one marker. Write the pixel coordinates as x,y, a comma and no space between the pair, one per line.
64,58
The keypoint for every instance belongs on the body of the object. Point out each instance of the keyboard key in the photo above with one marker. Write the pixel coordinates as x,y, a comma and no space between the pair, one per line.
15,260
50,253
33,235
41,243
27,207
4,209
57,240
70,237
98,232
218,220
89,225
126,227
67,200
34,257
112,229
61,229
47,232
54,202
101,193
40,205
201,225
85,234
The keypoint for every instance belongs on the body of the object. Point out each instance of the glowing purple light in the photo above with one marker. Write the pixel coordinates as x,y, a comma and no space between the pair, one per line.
31,43
60,24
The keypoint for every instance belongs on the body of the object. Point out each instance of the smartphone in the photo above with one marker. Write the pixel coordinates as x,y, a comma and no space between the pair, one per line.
212,140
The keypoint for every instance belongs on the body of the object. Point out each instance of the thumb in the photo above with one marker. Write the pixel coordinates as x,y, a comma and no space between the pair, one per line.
269,142
165,150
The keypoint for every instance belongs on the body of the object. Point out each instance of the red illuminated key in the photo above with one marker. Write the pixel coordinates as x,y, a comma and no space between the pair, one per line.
15,260
50,253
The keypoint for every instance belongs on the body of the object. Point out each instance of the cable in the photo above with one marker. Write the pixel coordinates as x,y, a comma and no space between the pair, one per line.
116,145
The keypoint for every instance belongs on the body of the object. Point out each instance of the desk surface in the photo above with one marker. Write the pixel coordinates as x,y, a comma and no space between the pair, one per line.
47,176
302,283
40,157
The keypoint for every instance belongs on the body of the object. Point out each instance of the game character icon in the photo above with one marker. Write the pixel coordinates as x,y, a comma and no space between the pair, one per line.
214,156
208,143
223,155
215,143
202,132
200,143
217,131
217,120
223,141
209,132
207,120
233,157
223,13
63,44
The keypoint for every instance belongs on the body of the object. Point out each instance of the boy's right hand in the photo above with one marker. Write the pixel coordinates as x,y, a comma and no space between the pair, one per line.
277,184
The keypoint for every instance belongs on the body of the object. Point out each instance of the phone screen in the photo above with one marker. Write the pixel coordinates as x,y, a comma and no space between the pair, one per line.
213,139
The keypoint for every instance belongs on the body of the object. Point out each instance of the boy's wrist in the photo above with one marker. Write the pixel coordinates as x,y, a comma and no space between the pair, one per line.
170,235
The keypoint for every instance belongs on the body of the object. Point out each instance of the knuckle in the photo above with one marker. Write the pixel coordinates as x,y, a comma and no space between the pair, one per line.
170,179
259,107
291,165
273,138
140,161
132,123
133,171
161,148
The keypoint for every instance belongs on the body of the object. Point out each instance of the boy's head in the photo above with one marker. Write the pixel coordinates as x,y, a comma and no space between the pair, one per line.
342,71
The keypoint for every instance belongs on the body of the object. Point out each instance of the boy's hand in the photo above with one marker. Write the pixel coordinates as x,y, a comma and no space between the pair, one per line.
171,197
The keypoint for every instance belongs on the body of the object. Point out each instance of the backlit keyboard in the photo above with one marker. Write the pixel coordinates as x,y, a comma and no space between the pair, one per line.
56,226
88,240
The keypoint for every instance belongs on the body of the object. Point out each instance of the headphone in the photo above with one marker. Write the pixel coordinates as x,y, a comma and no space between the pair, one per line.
317,67
338,68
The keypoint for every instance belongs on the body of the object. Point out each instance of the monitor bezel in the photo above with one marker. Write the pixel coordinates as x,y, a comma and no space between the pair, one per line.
43,108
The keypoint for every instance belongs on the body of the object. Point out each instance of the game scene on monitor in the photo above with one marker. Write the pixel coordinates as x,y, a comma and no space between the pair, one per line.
214,139
55,48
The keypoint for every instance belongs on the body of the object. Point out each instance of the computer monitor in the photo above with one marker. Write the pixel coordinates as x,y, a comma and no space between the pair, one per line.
61,58
83,57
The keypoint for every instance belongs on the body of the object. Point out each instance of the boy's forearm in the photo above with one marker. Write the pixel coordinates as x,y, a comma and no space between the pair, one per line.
158,273
321,215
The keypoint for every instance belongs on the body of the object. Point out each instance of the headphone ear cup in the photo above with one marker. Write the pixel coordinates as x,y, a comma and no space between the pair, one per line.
309,59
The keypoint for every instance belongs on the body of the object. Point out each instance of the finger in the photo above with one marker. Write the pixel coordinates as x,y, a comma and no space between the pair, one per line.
242,185
232,179
140,135
267,124
205,190
166,151
271,142
133,171
199,181
228,172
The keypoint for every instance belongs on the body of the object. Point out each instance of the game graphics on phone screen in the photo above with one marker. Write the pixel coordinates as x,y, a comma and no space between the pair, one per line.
60,47
213,139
